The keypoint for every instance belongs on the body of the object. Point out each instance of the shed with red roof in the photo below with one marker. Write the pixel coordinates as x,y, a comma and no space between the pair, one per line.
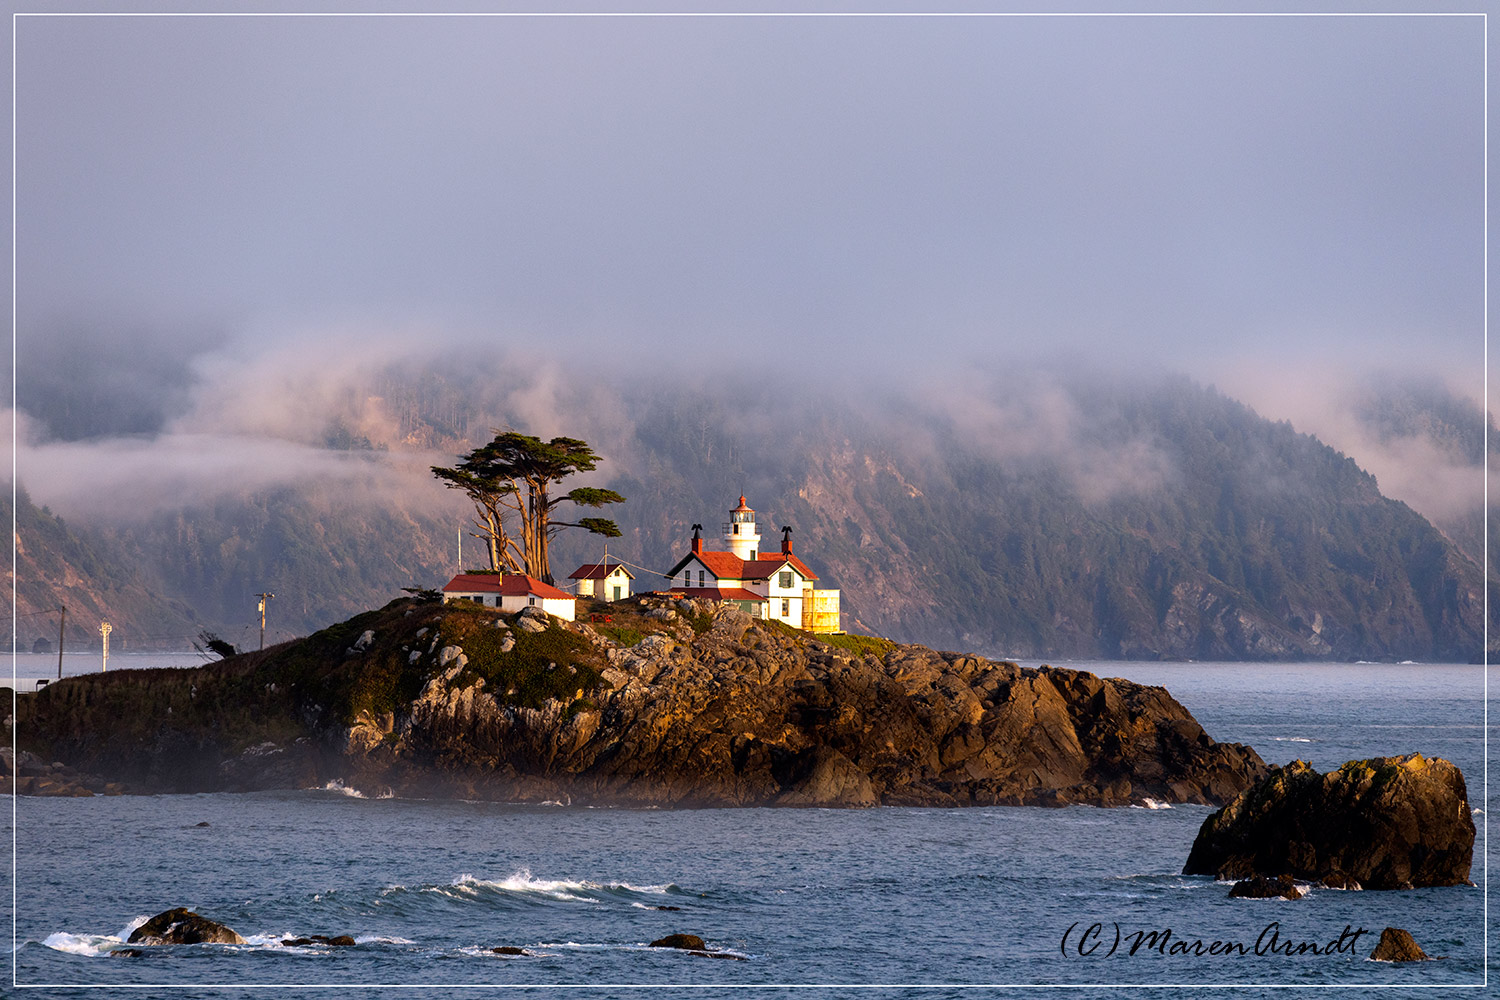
510,592
606,581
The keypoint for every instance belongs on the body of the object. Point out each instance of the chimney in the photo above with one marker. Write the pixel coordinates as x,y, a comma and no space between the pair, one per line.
786,539
697,538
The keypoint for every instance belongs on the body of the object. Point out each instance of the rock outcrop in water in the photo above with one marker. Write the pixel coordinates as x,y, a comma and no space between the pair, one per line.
1386,823
706,707
183,926
1397,945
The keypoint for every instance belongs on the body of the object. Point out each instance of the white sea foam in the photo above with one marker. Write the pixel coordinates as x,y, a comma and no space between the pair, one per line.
524,884
1292,739
268,940
92,945
1150,803
337,785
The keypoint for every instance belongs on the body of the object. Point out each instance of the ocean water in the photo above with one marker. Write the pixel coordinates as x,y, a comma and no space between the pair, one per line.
883,902
29,668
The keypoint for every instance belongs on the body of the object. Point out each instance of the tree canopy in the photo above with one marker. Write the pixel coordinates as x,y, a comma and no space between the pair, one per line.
510,481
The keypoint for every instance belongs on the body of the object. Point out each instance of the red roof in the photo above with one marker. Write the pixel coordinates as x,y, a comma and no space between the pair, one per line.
728,566
597,571
725,565
767,565
743,507
718,593
509,585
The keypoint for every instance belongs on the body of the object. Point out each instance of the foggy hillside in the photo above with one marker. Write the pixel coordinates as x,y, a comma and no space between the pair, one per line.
1028,514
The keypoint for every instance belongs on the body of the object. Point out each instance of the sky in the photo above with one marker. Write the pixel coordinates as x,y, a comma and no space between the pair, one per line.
1275,205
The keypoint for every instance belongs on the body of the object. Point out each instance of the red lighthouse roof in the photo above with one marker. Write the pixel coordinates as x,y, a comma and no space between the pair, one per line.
743,507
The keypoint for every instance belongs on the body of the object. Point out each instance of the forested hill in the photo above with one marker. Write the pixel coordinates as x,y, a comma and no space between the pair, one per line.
1071,519
1176,523
96,578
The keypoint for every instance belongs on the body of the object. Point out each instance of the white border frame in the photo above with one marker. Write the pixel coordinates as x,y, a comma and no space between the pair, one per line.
1481,15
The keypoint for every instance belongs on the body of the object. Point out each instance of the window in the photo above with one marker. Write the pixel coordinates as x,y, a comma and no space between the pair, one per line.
687,578
786,581
752,555
531,600
736,529
700,578
786,607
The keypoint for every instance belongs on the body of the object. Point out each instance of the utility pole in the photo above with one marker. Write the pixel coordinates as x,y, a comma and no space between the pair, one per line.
104,629
460,548
62,620
263,599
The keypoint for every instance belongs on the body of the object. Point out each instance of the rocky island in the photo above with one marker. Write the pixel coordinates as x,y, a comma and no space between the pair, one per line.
654,702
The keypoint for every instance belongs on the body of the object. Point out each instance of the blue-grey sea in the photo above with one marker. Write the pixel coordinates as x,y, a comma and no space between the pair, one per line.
882,902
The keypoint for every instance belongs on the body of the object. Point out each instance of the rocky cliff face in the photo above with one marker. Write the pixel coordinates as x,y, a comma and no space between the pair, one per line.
669,703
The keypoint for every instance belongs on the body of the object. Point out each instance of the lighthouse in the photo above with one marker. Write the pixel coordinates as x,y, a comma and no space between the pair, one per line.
770,586
740,533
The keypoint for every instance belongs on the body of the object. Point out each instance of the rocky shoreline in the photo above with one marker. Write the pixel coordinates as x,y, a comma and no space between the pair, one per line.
665,703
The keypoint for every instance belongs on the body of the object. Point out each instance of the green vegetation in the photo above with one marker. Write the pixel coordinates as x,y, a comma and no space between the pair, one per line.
858,644
384,683
553,664
623,635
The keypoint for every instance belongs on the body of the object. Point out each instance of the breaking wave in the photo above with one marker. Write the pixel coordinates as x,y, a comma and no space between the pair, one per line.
522,888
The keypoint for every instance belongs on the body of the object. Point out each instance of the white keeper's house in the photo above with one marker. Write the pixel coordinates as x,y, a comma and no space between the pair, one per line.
772,585
510,592
606,581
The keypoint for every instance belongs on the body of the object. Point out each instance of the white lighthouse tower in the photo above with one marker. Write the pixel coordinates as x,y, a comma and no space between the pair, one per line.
741,534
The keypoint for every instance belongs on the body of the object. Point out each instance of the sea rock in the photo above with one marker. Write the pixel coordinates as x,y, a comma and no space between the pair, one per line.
509,949
690,942
182,926
341,941
1386,822
1338,880
1397,945
1262,887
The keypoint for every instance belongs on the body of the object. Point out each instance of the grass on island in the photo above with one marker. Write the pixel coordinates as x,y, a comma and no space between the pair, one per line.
860,645
553,664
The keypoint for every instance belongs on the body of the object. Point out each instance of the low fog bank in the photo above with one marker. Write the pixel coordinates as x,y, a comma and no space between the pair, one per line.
176,420
1420,433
